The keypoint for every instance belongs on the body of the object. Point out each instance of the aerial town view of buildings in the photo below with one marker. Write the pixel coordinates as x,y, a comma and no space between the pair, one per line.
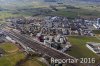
49,33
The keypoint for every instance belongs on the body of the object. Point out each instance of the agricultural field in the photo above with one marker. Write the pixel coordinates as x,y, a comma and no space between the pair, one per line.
9,47
13,55
73,13
5,14
33,62
10,14
79,49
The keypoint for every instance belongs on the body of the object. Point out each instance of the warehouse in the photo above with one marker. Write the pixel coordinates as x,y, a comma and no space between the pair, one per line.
95,47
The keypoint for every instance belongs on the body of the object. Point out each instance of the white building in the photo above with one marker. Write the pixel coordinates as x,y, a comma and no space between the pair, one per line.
97,25
95,47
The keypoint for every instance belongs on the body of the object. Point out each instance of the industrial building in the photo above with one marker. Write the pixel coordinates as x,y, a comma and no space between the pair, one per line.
97,24
95,47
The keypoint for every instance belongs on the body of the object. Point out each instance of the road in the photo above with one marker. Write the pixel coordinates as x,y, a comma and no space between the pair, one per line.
39,47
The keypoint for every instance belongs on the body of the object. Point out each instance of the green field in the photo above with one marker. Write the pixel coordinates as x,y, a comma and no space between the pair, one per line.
96,31
8,47
65,13
79,49
11,56
74,13
11,59
33,62
5,14
10,14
